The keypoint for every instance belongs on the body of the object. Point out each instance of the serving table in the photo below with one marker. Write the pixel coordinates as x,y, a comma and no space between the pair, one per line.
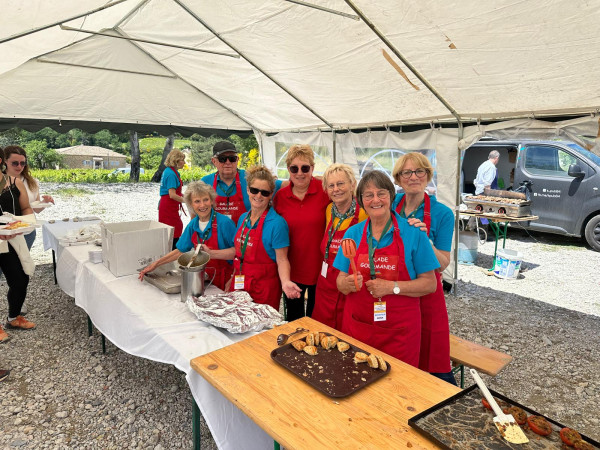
144,321
299,417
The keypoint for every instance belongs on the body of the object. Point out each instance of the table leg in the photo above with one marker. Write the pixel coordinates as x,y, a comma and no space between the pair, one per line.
103,344
90,326
195,425
496,229
276,445
460,368
54,266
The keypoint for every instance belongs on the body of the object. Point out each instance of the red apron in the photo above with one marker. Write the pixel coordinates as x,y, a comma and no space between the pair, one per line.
168,209
435,331
329,302
232,206
220,268
261,278
400,334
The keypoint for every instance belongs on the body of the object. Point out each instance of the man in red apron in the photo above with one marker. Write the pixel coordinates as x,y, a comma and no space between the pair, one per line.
329,302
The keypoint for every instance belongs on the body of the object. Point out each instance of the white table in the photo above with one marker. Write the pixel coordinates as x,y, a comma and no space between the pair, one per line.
143,321
53,232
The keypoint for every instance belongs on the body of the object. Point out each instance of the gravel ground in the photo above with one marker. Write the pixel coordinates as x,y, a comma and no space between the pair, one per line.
63,392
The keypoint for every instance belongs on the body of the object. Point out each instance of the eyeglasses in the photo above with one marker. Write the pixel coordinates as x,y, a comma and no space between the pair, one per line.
18,163
231,159
420,173
381,195
294,169
339,185
263,192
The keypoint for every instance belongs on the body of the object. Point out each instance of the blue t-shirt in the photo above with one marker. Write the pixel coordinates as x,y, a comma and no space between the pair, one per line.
418,254
442,222
222,186
225,233
275,232
168,181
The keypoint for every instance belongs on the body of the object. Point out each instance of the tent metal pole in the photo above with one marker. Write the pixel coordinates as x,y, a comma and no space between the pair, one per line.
135,9
334,136
146,41
273,80
396,52
322,8
456,211
137,72
43,27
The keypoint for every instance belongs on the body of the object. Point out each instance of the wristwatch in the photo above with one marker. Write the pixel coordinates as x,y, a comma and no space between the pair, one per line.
396,288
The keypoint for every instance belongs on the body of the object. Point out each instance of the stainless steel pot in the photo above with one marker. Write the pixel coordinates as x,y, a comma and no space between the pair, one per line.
192,278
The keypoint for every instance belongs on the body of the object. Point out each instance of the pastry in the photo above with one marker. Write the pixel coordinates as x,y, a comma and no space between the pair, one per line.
310,338
343,346
317,337
299,345
372,361
360,357
310,349
381,362
328,342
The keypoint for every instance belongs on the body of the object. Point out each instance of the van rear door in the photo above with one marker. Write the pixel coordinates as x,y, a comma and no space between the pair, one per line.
557,198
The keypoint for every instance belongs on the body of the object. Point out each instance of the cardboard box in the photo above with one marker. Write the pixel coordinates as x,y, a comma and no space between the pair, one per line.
129,246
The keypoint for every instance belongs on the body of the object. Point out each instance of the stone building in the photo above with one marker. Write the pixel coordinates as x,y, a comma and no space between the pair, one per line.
91,157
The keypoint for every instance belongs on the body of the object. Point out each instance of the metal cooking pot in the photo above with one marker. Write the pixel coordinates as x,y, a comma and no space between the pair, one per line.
192,278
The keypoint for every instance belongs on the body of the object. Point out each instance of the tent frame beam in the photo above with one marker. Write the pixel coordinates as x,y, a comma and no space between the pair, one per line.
110,69
44,27
273,80
146,41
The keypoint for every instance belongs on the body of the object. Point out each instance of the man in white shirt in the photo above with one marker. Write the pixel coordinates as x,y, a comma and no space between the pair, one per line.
487,173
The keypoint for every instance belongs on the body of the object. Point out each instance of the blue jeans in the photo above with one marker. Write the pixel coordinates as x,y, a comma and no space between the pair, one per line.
29,238
447,377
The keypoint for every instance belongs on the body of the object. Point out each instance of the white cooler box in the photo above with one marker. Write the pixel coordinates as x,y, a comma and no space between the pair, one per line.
129,246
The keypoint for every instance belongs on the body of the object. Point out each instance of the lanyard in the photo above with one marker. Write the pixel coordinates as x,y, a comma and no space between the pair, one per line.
372,248
332,231
206,231
412,214
229,189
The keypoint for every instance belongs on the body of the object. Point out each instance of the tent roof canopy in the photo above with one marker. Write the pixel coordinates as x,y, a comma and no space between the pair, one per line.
379,63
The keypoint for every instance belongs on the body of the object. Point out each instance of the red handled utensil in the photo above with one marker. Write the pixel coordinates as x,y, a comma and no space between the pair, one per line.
349,251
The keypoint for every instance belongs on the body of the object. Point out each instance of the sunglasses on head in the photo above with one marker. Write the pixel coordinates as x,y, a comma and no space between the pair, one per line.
18,163
223,159
255,191
294,169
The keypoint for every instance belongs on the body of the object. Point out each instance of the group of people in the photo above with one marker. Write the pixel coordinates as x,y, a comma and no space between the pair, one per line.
18,190
275,240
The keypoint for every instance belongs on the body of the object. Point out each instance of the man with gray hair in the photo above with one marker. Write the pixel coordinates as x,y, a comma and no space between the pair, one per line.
487,173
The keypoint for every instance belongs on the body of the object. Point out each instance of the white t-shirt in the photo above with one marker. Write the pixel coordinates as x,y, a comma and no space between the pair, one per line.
33,195
485,176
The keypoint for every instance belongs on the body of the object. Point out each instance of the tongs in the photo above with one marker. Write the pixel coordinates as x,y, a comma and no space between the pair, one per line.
193,258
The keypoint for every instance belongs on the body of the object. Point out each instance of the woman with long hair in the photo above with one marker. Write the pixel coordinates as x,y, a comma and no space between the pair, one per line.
171,189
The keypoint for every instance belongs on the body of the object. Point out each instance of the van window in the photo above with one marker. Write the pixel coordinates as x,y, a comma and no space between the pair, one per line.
548,160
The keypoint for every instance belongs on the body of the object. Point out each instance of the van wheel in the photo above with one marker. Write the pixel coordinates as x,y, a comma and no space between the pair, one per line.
592,233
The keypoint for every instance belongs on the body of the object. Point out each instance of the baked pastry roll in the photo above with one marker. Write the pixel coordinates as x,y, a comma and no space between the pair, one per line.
343,346
360,357
382,363
372,361
310,338
299,345
317,337
328,342
310,349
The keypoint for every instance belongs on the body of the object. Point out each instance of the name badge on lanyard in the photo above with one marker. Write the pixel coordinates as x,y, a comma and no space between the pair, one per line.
324,268
379,314
238,283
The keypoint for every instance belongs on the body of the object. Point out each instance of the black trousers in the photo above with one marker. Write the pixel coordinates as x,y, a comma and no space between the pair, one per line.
16,279
294,307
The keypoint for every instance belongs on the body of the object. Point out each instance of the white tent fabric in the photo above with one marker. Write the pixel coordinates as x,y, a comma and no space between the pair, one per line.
300,68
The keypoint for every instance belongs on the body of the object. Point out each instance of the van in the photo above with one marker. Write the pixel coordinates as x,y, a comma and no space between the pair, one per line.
565,183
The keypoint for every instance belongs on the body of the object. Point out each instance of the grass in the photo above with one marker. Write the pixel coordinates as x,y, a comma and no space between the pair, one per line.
74,191
159,143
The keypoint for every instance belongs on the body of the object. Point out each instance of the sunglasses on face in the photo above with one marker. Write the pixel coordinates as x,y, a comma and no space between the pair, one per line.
304,168
420,173
223,159
18,163
255,191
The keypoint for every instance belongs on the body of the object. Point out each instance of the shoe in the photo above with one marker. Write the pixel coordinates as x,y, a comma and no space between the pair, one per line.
4,337
4,374
20,322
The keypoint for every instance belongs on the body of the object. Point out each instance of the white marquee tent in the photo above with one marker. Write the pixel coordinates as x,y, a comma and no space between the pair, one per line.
340,75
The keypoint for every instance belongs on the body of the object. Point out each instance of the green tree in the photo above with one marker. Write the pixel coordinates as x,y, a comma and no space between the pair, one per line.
39,156
202,150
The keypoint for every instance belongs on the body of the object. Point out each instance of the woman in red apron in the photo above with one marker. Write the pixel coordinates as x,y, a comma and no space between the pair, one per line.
342,213
384,311
214,232
171,194
230,205
261,267
413,172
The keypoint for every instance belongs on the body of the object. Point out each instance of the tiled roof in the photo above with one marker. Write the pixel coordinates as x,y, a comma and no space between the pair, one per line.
89,150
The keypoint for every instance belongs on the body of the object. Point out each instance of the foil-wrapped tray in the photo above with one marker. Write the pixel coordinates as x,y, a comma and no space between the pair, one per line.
331,372
461,422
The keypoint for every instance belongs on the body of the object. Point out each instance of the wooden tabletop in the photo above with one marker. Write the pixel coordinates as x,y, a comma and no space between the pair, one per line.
300,417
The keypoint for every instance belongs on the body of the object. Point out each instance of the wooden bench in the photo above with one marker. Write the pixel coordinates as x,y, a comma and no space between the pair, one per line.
466,353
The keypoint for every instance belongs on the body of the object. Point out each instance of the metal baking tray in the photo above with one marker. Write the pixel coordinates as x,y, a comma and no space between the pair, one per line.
462,422
508,209
331,372
167,278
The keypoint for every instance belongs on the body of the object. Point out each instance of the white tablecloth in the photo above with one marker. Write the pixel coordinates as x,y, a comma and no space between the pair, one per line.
143,321
52,232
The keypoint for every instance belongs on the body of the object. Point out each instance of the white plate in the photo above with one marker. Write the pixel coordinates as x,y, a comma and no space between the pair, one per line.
37,204
22,230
